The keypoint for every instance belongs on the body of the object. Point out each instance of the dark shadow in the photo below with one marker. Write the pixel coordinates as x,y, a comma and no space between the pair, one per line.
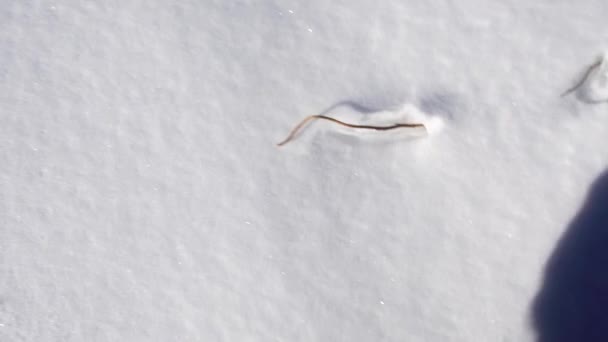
572,304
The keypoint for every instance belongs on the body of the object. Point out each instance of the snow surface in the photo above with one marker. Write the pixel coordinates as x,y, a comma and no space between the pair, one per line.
144,199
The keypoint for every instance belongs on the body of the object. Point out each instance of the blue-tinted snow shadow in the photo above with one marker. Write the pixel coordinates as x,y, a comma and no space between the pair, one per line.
572,304
440,103
585,98
356,106
433,103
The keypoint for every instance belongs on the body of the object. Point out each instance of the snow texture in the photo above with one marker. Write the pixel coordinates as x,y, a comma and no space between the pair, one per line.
144,198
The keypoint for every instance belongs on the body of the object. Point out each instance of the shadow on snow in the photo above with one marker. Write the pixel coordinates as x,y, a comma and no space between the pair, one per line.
572,304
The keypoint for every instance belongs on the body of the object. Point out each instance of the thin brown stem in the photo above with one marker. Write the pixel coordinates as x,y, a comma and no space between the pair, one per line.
307,119
583,79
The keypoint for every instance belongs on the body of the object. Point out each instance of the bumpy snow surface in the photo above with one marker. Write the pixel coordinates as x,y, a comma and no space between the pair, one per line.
143,197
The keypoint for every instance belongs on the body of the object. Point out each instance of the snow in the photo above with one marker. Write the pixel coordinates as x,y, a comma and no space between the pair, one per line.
145,199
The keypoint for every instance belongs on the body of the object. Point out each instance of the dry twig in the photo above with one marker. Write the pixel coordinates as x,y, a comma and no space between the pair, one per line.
307,119
583,79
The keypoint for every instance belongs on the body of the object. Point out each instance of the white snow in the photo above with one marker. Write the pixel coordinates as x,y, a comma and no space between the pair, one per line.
144,199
